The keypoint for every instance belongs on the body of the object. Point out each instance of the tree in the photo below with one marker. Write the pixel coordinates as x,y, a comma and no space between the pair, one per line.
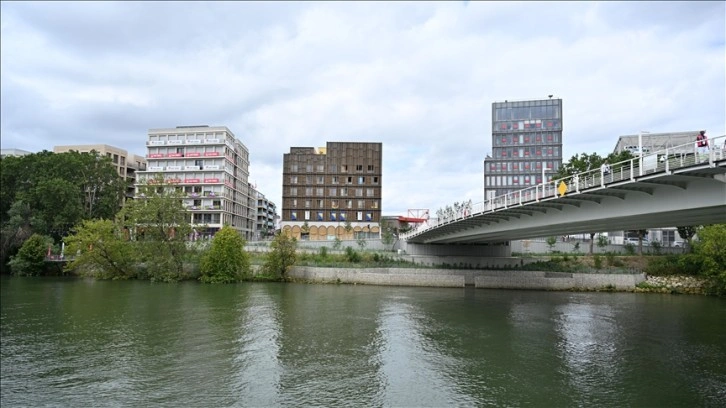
387,237
711,249
18,227
101,250
688,232
30,259
551,241
281,256
226,260
160,220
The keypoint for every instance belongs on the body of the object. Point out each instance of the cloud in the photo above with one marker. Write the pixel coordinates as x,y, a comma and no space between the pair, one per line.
418,77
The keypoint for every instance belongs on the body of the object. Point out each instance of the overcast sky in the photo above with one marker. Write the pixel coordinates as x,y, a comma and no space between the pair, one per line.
420,77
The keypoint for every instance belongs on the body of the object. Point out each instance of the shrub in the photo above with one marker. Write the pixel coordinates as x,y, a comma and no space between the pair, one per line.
629,248
597,260
30,259
226,260
656,245
351,255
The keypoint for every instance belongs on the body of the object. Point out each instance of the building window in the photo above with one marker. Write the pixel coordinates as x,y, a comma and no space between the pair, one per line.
333,191
335,180
308,180
358,167
309,168
293,215
321,168
319,191
374,204
361,180
307,215
334,203
307,203
293,179
321,180
308,191
369,192
293,190
343,192
370,168
359,216
349,180
359,192
361,204
375,180
349,203
320,204
294,202
344,168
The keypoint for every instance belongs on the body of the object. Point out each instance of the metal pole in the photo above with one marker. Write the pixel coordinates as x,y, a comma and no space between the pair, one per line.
640,152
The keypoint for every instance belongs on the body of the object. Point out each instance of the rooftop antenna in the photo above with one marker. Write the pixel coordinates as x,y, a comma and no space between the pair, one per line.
550,96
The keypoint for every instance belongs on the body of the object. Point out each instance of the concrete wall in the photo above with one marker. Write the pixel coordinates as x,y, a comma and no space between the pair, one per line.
461,278
540,247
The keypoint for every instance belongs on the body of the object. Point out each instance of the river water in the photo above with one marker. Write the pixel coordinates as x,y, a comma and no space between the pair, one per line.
86,343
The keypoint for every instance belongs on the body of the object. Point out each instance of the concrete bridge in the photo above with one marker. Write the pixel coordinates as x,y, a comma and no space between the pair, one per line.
675,187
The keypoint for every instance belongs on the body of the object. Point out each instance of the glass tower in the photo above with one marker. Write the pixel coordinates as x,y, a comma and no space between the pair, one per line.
526,145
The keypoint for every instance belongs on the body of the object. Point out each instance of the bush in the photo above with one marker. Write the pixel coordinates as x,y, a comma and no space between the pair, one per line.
226,260
597,260
629,248
351,255
30,259
656,245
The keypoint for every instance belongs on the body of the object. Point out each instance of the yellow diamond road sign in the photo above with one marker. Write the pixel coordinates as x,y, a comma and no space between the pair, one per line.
562,188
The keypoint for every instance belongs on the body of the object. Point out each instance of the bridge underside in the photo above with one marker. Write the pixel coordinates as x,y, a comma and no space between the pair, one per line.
690,196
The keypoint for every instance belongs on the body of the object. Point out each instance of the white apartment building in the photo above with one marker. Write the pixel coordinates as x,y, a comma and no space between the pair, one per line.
212,167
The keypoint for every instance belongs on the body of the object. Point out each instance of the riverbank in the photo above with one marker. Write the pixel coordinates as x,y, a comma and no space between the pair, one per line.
488,279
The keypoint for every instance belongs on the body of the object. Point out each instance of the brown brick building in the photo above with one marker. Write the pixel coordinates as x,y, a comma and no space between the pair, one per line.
326,189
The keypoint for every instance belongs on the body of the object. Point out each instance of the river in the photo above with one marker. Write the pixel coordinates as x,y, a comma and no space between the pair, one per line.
75,343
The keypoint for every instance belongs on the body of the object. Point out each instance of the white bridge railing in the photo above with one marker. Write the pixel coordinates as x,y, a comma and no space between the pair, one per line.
666,160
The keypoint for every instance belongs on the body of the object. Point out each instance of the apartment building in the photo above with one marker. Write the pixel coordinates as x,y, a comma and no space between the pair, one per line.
526,145
333,191
212,167
266,217
127,165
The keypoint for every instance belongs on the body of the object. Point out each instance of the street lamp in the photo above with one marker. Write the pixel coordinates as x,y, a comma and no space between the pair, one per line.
640,151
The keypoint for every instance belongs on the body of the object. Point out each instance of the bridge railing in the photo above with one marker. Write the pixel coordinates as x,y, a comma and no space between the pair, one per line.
665,160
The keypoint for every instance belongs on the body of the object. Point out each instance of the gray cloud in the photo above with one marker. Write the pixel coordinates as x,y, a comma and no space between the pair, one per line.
419,77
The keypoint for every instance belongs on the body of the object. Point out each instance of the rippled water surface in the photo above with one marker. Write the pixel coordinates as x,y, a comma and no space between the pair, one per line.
70,342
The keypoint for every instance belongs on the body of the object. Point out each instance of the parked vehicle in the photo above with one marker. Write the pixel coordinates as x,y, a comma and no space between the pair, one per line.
634,241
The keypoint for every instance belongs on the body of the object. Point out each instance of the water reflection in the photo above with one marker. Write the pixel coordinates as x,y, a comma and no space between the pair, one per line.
89,343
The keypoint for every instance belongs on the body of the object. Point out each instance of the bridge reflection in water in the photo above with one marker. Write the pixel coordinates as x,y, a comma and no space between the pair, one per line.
673,187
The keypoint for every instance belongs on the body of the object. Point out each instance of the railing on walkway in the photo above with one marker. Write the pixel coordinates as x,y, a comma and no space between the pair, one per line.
666,160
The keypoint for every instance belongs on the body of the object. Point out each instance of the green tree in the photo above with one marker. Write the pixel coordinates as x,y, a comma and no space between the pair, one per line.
687,232
551,241
58,190
159,219
19,226
99,248
281,256
30,259
387,237
711,249
226,260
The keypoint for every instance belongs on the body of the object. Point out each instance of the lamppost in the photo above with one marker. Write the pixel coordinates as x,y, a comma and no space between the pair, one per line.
640,151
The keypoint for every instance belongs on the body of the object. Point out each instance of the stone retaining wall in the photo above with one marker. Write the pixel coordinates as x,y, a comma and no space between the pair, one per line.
461,278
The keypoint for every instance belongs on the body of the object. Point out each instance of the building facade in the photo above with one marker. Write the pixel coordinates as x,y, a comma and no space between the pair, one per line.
211,166
332,192
526,145
13,152
266,217
127,165
674,142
